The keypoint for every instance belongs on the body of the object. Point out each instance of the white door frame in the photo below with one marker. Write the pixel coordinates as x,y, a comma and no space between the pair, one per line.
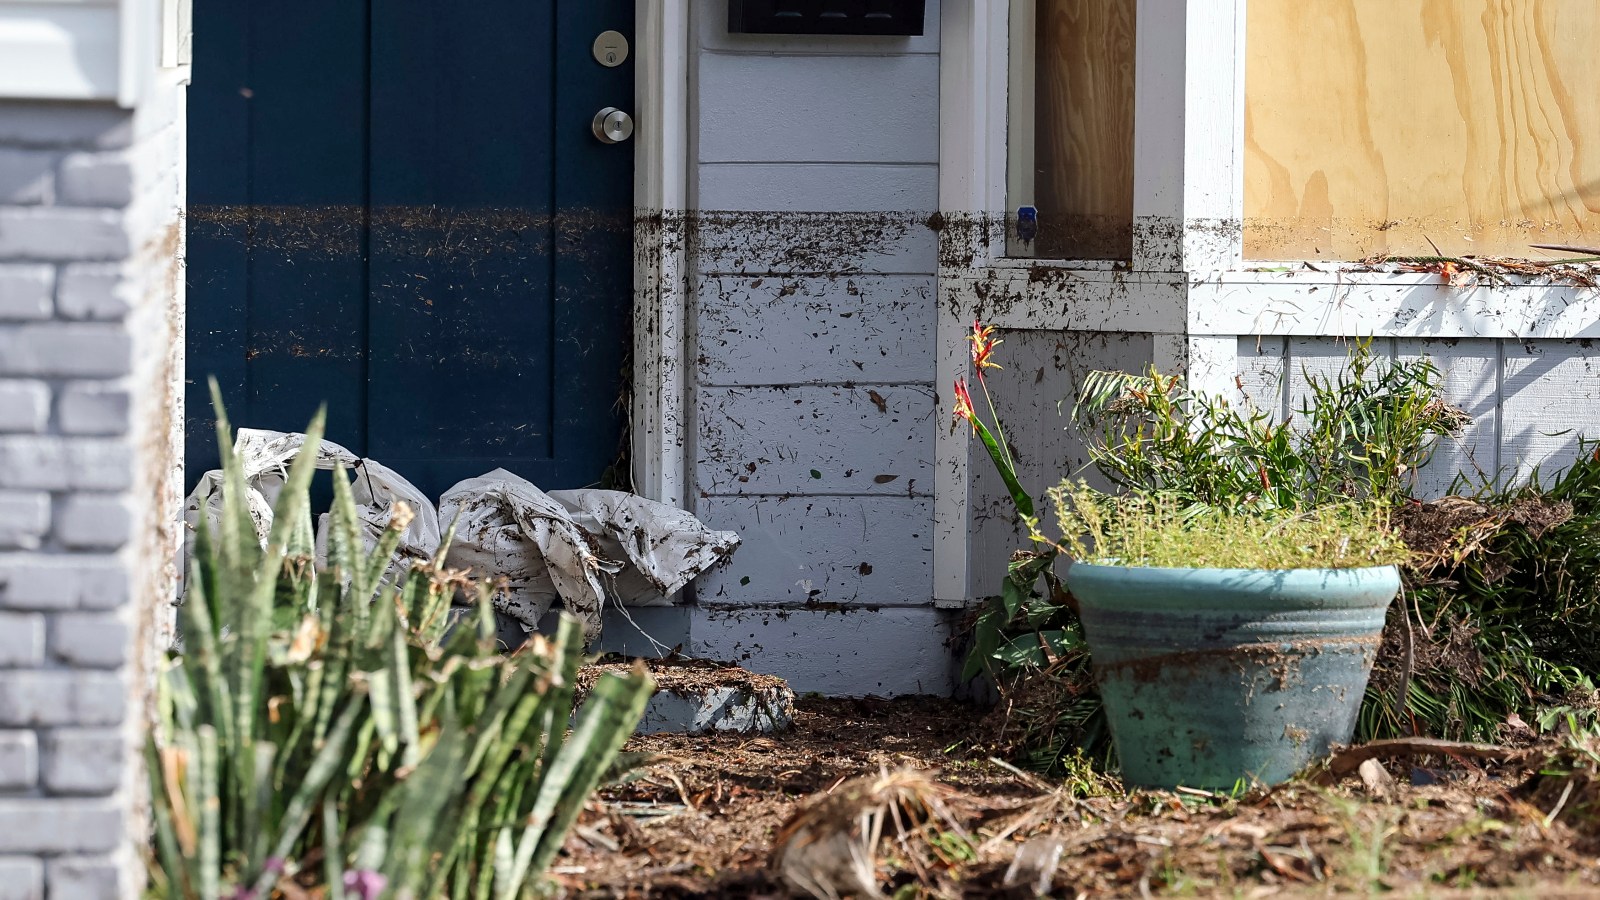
659,418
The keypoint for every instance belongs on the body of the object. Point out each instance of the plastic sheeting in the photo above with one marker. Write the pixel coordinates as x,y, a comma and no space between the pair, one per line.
576,549
266,456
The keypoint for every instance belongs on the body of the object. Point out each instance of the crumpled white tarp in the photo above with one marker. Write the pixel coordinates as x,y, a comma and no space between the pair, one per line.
576,547
376,488
579,548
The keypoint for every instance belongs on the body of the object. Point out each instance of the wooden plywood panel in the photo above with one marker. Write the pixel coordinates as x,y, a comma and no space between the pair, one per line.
1373,126
1084,128
1550,401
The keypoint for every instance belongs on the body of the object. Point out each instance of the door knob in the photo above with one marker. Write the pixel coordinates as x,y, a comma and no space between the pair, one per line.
612,125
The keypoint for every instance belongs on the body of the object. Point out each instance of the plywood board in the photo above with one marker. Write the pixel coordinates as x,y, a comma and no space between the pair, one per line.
1083,150
1373,126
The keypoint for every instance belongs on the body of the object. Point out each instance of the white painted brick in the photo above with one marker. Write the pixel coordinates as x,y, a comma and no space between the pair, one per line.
93,521
92,407
24,406
27,176
84,760
61,697
62,234
61,581
91,291
25,290
22,878
87,878
30,124
60,825
59,464
95,179
92,640
22,639
72,350
24,519
19,762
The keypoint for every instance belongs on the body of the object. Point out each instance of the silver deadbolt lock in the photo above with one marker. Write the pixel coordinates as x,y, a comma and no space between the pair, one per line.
612,125
610,49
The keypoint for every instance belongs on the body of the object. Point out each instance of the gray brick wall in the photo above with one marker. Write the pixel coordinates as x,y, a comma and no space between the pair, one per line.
90,344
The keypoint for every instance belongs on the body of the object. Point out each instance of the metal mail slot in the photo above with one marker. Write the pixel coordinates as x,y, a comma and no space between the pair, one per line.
881,17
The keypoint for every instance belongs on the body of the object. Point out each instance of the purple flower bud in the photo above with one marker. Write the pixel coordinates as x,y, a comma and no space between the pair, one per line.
365,883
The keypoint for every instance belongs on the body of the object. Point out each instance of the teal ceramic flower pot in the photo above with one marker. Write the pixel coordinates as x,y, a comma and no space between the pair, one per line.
1210,676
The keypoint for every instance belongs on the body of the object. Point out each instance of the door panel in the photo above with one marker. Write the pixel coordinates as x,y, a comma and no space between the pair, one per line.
425,233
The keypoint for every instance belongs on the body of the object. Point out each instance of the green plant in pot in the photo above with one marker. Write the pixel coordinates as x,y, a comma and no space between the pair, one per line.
1298,507
1227,645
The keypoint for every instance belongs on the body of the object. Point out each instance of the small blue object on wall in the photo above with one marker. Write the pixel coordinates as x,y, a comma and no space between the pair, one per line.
1027,223
880,17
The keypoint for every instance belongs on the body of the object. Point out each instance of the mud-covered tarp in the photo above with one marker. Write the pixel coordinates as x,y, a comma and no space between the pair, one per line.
376,489
579,548
573,549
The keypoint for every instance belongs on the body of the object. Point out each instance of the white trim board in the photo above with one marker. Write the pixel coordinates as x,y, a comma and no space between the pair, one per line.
660,272
60,50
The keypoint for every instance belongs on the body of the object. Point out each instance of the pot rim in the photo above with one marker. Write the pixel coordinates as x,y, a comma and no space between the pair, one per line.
1109,566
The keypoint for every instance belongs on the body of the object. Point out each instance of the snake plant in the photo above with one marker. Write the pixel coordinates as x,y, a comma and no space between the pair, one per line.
327,729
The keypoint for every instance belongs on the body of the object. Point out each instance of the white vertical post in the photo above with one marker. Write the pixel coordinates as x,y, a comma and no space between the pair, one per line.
972,184
1188,135
1019,149
660,273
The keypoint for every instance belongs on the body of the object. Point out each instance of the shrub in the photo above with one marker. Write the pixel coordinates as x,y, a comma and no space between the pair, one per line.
327,728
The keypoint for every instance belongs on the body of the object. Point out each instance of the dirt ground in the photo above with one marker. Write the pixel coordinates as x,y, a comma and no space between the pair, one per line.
701,816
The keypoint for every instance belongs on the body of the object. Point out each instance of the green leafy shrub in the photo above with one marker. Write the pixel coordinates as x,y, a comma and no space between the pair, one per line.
327,728
1359,434
1500,608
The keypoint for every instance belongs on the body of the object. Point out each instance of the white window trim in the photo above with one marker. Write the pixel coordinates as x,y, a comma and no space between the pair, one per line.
1189,284
660,268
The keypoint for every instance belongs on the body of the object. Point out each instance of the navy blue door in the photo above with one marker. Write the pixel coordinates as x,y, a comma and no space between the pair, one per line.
397,207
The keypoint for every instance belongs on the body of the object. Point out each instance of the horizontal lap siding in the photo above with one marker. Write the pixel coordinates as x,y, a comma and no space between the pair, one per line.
831,329
812,305
1034,394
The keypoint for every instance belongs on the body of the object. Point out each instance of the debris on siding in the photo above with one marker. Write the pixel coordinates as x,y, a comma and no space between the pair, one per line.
579,549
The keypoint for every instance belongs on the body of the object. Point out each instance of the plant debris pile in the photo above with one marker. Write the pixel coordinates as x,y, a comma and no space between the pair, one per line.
904,808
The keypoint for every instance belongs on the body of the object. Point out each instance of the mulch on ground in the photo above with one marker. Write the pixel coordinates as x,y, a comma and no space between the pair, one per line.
700,817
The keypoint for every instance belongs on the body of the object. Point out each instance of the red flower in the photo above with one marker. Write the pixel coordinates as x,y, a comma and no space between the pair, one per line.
983,344
963,406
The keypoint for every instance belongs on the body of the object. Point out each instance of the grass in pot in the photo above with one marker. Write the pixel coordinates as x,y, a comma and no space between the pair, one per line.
1228,645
